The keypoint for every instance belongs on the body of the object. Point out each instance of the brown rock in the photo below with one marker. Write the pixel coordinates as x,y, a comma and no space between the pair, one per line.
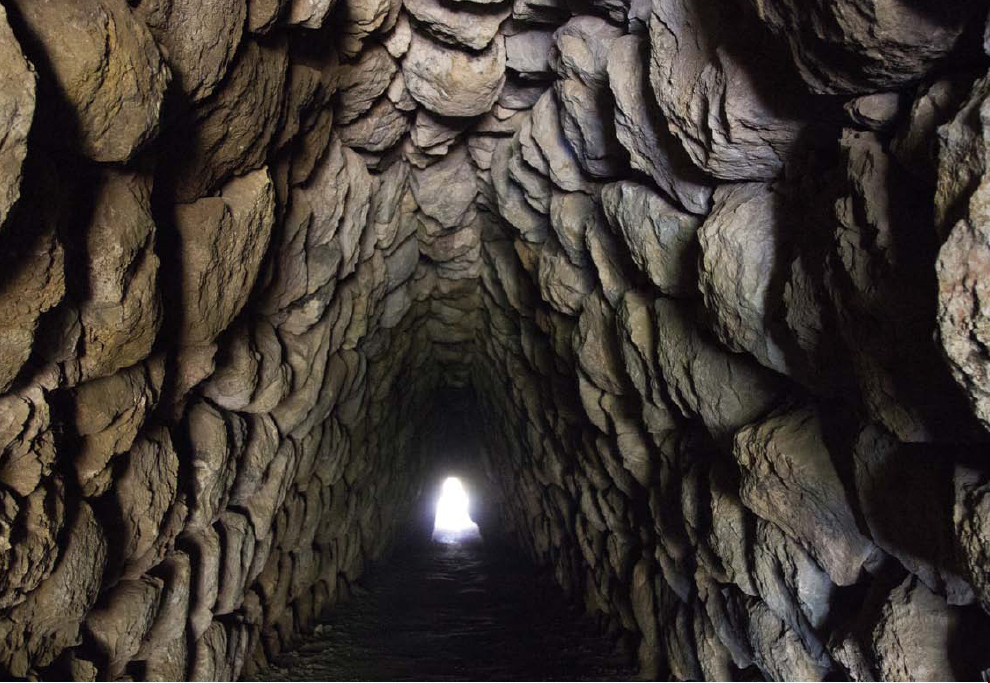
232,131
16,113
105,74
122,312
199,39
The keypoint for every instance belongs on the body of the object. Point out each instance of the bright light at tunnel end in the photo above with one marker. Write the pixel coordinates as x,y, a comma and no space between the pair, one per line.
452,522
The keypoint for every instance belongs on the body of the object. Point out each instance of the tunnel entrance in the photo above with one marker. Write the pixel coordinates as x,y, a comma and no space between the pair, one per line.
452,522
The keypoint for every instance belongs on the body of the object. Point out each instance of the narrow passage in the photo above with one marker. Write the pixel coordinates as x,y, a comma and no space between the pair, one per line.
455,612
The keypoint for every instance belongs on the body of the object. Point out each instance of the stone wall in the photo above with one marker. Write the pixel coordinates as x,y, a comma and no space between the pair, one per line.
713,272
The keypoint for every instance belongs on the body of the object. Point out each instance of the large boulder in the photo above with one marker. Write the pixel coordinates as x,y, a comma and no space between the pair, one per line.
459,24
741,253
121,314
964,259
222,241
578,57
104,75
857,46
445,191
720,85
662,240
17,100
789,479
231,132
452,82
199,37
642,130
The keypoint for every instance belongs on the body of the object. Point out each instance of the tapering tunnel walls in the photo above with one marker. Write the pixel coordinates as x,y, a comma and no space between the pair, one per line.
690,292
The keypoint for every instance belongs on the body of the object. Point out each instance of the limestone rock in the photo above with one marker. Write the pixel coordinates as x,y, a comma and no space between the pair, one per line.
885,259
662,240
377,130
262,478
145,493
34,265
238,544
199,39
109,413
539,11
397,42
451,82
741,244
30,528
510,197
714,89
122,312
217,441
27,444
961,151
35,632
970,523
725,390
320,239
562,284
362,18
446,190
777,649
962,261
309,13
852,47
223,240
16,112
106,69
232,130
458,23
640,127
578,57
205,576
934,104
911,639
436,133
362,82
552,148
527,53
875,112
788,478
262,14
251,374
173,607
120,624
597,346
907,500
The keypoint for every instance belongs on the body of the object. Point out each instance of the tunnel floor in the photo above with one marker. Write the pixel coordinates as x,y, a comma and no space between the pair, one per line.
455,612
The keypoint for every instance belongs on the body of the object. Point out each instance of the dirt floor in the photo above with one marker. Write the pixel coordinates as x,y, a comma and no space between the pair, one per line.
455,612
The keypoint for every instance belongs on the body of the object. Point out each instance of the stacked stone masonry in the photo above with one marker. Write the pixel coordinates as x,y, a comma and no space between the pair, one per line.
716,271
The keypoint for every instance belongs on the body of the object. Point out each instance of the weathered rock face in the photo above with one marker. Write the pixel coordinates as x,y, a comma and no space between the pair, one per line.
104,73
710,278
17,100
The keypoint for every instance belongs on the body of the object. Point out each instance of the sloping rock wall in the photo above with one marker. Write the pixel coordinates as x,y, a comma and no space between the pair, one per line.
714,273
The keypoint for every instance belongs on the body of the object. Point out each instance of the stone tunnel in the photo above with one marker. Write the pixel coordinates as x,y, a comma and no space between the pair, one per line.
689,294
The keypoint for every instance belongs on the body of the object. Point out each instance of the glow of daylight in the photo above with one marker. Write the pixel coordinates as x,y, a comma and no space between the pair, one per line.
452,510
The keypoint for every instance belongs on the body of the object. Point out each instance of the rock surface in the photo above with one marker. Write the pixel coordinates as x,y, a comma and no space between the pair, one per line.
103,74
452,82
692,295
16,112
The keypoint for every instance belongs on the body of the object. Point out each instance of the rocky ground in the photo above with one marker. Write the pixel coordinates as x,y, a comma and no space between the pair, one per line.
455,611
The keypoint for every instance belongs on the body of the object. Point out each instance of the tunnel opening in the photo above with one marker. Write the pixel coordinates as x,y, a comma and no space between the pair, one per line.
452,522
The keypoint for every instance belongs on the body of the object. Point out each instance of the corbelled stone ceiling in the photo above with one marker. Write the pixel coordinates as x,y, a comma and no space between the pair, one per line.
708,281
